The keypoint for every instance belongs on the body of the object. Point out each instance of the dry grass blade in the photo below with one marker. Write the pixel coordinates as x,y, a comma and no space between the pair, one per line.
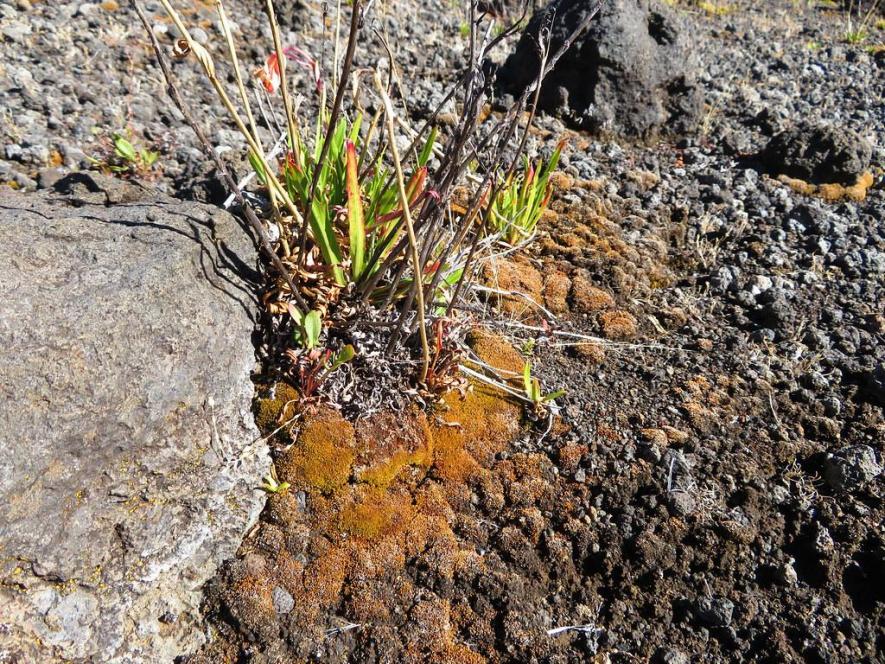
229,181
407,217
284,83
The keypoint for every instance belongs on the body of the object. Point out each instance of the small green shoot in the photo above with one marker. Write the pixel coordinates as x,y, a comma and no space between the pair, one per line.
858,21
519,205
343,356
532,388
528,347
308,327
272,484
126,159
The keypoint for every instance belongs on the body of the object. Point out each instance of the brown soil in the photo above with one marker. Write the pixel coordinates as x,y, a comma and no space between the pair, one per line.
463,535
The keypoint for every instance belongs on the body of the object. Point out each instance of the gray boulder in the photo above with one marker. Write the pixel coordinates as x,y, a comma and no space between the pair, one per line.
128,453
818,153
632,73
851,468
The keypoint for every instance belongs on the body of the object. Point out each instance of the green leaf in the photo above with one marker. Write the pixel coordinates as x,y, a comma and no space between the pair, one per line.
355,220
453,277
296,314
313,326
527,379
427,150
124,148
536,390
344,356
258,167
324,235
554,395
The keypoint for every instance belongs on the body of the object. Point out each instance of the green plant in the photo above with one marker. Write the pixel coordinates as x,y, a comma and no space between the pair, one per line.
308,327
126,159
857,21
532,389
516,210
316,365
271,484
366,227
528,346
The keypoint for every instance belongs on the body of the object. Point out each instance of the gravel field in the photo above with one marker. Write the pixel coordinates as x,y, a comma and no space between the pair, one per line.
714,492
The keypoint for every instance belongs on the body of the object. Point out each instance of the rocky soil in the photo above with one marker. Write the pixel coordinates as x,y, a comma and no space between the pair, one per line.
714,490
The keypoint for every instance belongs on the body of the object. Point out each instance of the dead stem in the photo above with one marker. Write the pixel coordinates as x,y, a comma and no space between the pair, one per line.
229,182
407,216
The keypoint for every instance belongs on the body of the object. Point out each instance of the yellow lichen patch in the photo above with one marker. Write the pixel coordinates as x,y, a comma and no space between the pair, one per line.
715,8
384,474
275,407
479,425
322,458
389,444
375,513
618,324
834,192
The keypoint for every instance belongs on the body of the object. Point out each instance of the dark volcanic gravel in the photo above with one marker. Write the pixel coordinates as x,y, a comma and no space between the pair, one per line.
716,494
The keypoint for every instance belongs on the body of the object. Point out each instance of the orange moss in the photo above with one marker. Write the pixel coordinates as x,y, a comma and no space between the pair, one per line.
675,435
570,457
618,324
516,275
382,476
590,351
251,601
495,350
655,436
556,289
587,299
389,444
274,409
432,626
561,181
455,653
480,425
375,514
325,576
322,458
698,415
645,179
832,192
